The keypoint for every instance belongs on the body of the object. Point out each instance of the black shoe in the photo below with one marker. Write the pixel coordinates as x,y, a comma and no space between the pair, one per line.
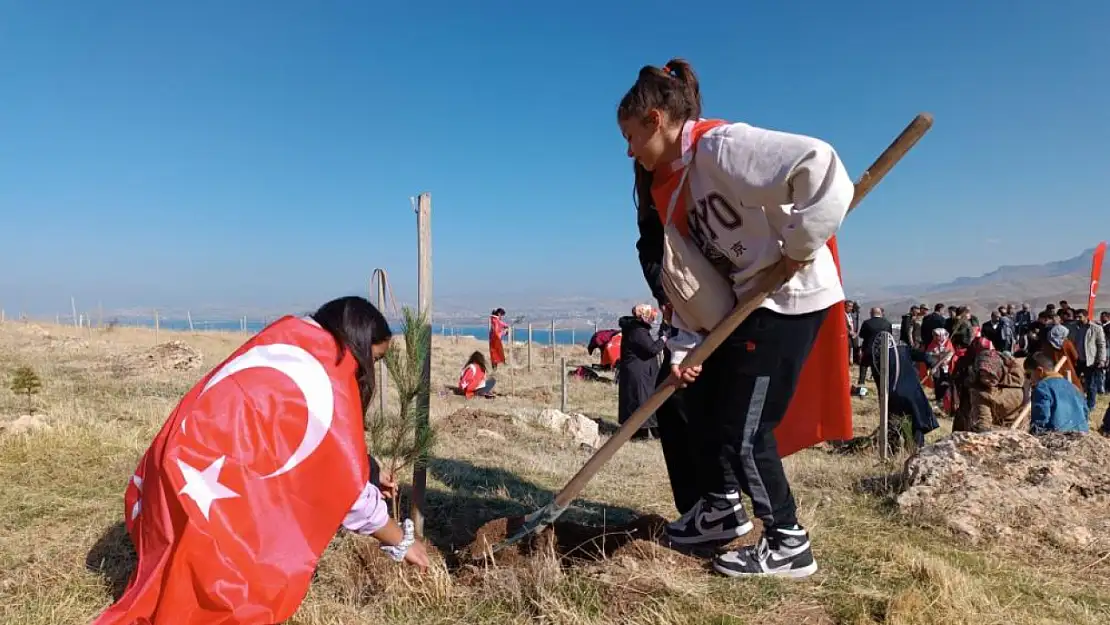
715,518
780,552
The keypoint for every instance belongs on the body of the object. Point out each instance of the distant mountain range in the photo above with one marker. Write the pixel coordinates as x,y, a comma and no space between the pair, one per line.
1036,284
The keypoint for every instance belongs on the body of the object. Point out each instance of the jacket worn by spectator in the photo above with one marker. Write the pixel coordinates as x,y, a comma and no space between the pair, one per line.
867,334
1090,342
997,405
1058,407
931,322
639,368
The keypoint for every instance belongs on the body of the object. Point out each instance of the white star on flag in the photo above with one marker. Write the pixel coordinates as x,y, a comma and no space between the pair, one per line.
204,487
138,481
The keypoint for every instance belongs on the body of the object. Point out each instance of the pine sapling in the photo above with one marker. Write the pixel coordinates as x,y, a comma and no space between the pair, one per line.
26,382
400,439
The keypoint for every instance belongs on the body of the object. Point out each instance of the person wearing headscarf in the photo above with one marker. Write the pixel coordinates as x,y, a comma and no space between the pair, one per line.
639,363
942,353
996,388
962,382
1057,345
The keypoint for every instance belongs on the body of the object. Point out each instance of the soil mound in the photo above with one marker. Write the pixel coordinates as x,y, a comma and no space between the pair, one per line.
175,355
467,421
1011,485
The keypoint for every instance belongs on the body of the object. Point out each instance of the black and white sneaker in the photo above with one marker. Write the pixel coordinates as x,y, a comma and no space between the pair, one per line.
716,518
780,552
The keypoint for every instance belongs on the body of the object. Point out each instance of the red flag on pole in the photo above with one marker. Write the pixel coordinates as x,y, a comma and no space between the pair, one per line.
1096,274
245,485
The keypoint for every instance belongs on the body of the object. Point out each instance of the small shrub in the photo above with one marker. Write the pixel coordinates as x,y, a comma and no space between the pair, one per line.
27,383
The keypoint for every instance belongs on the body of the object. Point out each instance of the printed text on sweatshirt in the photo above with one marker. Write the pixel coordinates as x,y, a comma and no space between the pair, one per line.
759,194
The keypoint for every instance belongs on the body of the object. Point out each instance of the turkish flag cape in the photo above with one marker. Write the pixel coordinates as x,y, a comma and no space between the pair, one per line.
821,409
245,485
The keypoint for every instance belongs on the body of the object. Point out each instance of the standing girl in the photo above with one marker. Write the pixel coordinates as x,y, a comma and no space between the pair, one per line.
760,198
497,329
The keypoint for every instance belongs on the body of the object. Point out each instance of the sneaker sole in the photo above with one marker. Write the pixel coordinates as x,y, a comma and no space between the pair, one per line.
804,571
729,535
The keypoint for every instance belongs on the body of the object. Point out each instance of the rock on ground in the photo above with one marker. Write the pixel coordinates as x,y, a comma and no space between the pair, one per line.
1012,486
577,428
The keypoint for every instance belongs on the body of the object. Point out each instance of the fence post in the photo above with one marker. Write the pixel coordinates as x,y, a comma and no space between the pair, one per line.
157,324
552,341
884,393
529,348
563,379
424,297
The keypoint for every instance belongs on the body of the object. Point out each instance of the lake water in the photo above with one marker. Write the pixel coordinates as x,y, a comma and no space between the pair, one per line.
579,334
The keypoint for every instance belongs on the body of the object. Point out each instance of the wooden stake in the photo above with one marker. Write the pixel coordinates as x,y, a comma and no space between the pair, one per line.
157,324
189,317
529,348
73,305
884,395
552,341
424,295
563,379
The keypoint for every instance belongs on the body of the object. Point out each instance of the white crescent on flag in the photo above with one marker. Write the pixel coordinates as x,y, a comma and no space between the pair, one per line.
310,377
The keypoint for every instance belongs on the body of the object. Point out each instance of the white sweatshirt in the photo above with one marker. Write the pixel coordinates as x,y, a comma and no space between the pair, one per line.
759,194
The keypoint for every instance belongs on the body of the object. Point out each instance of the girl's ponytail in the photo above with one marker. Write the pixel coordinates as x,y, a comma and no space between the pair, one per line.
683,72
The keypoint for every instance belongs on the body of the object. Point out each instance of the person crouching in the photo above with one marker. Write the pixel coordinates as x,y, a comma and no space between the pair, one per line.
473,380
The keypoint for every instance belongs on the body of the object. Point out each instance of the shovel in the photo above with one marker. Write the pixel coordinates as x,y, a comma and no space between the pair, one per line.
770,282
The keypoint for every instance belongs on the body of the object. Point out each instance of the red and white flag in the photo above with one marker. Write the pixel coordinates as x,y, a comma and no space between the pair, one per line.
245,485
1096,274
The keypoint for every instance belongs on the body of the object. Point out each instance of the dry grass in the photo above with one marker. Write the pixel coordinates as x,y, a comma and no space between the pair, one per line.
61,548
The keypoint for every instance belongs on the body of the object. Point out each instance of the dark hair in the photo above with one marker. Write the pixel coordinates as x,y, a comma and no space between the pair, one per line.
938,308
356,325
1081,311
477,358
1042,360
672,89
498,311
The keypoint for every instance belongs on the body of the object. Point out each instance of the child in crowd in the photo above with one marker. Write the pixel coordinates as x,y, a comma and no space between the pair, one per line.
1057,405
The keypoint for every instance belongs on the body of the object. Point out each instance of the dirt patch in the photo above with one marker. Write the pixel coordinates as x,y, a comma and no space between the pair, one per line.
571,542
1011,487
467,421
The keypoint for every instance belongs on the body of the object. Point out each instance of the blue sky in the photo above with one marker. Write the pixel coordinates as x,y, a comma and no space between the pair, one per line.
264,153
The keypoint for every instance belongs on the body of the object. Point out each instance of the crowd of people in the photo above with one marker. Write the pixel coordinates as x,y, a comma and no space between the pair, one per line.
984,374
